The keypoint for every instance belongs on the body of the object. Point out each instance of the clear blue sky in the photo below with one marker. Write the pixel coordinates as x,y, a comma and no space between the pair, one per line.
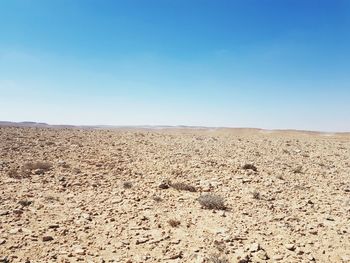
247,63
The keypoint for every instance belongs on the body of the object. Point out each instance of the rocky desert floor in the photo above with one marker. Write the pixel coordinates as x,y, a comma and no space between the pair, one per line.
173,195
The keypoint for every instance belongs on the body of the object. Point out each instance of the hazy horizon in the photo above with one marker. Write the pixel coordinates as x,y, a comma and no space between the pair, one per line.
260,64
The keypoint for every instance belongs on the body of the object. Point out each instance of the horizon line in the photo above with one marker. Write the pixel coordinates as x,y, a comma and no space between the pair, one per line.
154,126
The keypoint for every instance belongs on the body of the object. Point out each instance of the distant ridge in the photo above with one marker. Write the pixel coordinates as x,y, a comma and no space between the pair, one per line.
31,124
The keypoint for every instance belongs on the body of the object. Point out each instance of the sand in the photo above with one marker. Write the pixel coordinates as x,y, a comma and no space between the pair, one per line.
131,195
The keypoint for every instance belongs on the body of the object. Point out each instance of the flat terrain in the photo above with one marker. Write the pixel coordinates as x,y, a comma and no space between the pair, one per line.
129,195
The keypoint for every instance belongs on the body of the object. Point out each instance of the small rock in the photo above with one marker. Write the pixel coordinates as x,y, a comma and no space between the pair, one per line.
54,226
62,179
4,212
241,256
254,247
2,241
249,166
4,259
277,257
290,246
39,171
329,218
14,231
345,258
47,238
79,251
313,231
176,255
141,241
261,254
163,185
311,258
86,216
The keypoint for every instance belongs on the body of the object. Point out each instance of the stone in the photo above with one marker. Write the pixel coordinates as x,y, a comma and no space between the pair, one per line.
277,257
345,258
47,238
311,258
313,231
141,241
2,241
86,216
54,226
14,231
39,171
163,185
4,212
254,247
261,254
290,246
4,259
79,251
241,256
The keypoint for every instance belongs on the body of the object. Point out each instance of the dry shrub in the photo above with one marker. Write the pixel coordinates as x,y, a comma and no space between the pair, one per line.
174,223
256,195
25,202
249,166
45,166
127,185
51,199
217,259
157,199
13,173
209,201
183,187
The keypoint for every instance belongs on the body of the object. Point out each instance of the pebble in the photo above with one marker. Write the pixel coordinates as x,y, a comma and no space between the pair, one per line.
345,258
290,246
54,226
4,212
39,171
254,247
163,186
277,257
14,231
141,241
261,254
79,251
47,238
86,216
2,241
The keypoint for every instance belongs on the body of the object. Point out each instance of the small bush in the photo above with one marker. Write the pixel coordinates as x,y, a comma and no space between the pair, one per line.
183,187
25,202
157,199
51,199
209,201
127,185
249,166
174,223
31,166
13,173
217,259
256,195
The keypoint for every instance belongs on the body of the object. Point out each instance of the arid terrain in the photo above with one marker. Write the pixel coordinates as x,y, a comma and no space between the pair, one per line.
173,195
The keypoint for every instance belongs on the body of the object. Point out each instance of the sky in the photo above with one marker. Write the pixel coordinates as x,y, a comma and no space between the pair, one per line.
235,63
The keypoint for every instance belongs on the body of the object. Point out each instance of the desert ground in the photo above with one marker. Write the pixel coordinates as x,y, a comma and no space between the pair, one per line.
173,195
